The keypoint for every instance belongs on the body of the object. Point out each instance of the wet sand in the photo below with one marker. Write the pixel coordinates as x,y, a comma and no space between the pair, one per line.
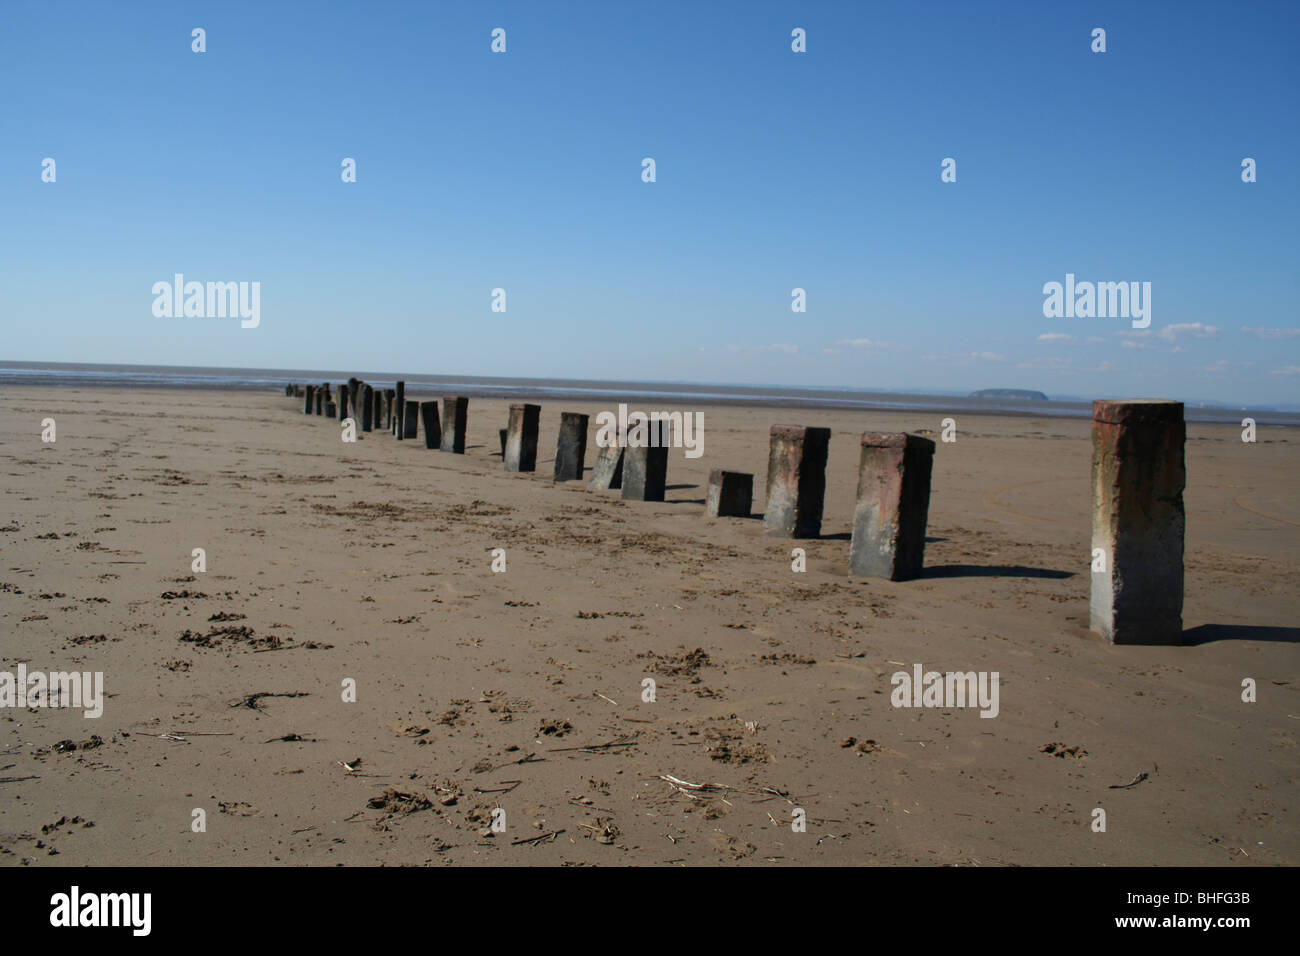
475,690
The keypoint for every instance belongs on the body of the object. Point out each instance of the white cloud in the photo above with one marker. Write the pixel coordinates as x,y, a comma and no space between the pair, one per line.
1193,329
1056,337
862,343
963,358
1286,370
1272,333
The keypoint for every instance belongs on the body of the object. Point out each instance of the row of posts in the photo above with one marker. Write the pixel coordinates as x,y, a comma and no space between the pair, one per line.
1138,477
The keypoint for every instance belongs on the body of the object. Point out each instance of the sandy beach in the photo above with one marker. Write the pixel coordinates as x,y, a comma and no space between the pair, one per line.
371,562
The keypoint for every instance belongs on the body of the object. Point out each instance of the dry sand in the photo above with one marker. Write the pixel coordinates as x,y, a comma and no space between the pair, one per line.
521,690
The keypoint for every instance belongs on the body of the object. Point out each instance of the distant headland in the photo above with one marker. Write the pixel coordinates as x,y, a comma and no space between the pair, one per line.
1010,393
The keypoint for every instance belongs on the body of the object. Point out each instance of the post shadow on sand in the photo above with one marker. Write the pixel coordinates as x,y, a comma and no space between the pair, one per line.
1209,633
991,571
684,501
758,516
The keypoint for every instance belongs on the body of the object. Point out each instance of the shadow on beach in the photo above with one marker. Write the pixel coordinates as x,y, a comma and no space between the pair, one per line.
991,571
1209,633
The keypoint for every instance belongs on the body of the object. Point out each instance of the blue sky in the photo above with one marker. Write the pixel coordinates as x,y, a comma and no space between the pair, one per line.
775,170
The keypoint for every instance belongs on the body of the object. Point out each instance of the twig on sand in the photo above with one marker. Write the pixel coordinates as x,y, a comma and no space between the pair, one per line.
693,789
620,742
351,768
513,785
526,758
603,697
686,787
679,782
536,839
1132,783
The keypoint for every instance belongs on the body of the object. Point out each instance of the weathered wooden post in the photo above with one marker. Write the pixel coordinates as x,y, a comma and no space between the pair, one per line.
432,426
796,481
310,402
367,408
344,395
455,414
893,506
1138,476
399,409
410,420
571,447
731,494
503,433
607,469
645,465
521,437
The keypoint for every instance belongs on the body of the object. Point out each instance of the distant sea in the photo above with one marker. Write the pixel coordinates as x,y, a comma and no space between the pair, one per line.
67,375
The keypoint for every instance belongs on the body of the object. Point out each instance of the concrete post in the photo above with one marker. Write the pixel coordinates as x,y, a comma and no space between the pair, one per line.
521,437
731,494
571,447
893,506
455,413
1138,476
796,481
